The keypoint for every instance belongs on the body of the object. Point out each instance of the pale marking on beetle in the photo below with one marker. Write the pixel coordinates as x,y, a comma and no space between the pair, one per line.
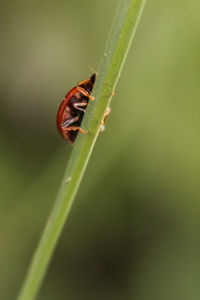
67,109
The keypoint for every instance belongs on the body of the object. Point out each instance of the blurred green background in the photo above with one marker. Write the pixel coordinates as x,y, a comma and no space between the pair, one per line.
134,229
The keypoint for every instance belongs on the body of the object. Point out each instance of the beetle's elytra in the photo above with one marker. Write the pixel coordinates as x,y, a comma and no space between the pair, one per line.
72,108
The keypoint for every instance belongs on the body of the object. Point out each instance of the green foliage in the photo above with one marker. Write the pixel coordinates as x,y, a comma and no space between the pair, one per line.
133,230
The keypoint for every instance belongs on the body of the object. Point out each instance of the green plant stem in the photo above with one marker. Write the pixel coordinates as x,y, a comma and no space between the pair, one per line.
123,29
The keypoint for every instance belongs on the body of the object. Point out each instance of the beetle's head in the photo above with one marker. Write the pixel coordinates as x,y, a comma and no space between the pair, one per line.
88,83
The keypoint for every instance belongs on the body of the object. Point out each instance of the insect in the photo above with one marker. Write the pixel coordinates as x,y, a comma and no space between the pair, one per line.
72,108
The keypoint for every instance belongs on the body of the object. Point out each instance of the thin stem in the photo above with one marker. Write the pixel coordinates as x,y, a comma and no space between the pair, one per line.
123,29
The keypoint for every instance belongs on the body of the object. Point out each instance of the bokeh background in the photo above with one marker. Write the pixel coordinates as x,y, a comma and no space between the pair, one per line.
134,229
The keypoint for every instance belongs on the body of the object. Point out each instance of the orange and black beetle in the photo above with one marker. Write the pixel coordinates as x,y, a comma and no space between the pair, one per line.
72,108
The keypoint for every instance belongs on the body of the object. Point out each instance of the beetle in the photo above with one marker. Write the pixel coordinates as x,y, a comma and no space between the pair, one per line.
72,109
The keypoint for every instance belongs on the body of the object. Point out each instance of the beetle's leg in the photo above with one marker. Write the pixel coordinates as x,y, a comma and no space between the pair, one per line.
68,122
78,104
66,126
85,93
74,128
102,127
